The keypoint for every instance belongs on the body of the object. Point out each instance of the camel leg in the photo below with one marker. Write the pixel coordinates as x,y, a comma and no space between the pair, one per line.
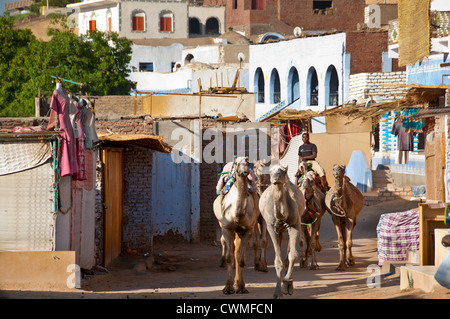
304,244
242,240
224,247
264,242
257,259
260,253
314,240
341,243
278,261
349,225
288,281
229,243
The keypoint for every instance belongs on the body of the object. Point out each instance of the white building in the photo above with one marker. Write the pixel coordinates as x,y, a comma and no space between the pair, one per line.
304,73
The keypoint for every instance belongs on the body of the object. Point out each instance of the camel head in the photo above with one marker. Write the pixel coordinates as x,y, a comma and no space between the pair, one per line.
338,171
278,174
308,180
242,166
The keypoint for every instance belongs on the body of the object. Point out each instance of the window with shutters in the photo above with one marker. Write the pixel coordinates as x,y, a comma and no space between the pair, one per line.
139,21
166,22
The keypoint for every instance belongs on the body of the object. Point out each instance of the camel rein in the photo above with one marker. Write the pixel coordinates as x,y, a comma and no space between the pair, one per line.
310,211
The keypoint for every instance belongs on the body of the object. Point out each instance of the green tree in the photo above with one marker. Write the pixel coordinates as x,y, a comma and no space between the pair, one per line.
99,61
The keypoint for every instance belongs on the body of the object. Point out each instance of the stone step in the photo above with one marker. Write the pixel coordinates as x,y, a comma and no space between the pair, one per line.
418,277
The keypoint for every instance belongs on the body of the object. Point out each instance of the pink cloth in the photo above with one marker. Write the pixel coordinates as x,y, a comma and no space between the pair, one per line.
81,156
68,160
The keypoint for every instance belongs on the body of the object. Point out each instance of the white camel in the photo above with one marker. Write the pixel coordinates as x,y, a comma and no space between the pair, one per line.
281,206
237,213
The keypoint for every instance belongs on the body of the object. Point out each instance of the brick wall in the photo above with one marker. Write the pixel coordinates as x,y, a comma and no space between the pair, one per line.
345,15
366,49
139,124
208,181
137,209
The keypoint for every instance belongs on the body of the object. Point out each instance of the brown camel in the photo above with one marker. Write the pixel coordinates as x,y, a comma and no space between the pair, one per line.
281,206
344,201
311,218
237,213
261,239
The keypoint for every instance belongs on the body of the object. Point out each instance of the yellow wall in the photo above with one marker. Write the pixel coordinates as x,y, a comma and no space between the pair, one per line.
343,136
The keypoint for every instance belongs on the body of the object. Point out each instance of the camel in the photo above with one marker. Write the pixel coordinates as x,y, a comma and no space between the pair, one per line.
237,213
281,206
344,201
311,218
261,228
305,168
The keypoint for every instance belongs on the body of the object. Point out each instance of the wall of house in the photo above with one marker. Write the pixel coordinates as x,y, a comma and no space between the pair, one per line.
162,57
100,15
152,11
344,16
366,50
175,82
302,54
137,205
241,105
203,13
365,85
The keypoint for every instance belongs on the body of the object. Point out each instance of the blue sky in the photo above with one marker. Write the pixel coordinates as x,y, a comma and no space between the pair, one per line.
2,6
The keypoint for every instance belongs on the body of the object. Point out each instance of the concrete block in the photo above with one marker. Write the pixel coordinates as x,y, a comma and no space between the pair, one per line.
418,277
38,270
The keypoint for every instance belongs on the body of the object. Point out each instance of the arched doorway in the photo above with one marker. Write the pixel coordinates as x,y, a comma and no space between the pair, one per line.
258,85
293,85
331,87
275,90
194,27
212,26
312,87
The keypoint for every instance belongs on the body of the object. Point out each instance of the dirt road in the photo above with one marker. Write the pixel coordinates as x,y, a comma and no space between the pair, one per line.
192,272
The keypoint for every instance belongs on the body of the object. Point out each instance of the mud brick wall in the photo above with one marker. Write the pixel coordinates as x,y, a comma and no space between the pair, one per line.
345,15
117,105
140,124
137,208
208,181
366,49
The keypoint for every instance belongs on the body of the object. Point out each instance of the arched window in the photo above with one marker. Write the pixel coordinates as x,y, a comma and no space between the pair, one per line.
108,21
212,26
194,27
258,85
166,21
293,85
92,22
188,59
275,94
331,87
138,20
312,87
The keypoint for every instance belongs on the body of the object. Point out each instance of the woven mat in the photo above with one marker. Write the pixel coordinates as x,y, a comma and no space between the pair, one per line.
414,31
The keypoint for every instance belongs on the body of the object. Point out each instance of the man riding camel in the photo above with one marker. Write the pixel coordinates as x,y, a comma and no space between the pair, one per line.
307,153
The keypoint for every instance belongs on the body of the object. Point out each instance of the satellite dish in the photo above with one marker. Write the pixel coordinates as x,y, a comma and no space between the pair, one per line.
241,57
298,31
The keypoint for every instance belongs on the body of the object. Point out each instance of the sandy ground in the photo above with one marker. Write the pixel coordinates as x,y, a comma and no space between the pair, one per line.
191,271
